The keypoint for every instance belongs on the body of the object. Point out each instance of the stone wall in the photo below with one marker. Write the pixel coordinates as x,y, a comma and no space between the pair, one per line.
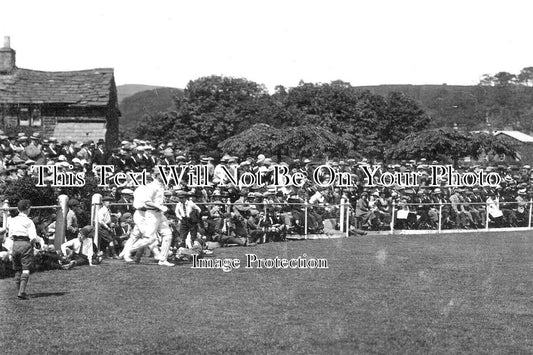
81,125
79,131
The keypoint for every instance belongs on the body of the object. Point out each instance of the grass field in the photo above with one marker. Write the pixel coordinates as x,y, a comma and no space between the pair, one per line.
464,293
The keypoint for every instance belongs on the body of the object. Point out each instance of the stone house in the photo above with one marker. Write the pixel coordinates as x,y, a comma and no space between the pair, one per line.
75,105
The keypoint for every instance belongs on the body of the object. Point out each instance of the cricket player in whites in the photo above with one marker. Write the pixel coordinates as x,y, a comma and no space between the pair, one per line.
149,220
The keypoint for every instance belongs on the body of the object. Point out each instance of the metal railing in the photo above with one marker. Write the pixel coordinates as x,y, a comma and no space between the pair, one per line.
406,217
450,216
307,224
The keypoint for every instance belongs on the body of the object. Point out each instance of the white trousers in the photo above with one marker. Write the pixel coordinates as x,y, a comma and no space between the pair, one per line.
148,225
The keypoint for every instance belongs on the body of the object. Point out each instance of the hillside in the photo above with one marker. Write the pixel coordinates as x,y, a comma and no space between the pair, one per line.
134,108
470,107
126,90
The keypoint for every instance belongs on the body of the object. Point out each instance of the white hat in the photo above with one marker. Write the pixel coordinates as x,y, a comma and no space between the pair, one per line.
226,157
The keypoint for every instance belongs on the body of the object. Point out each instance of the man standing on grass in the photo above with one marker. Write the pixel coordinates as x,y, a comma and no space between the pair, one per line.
149,220
187,213
24,235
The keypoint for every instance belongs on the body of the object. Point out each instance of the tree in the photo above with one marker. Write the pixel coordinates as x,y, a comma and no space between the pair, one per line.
365,120
295,142
483,143
508,102
404,116
261,138
211,109
448,145
526,76
25,188
487,80
162,127
311,141
504,78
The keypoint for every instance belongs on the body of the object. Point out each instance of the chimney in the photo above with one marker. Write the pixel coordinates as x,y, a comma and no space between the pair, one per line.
7,58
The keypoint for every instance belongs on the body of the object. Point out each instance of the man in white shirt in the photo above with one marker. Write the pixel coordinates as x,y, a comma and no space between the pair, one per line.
24,235
72,219
188,214
150,220
106,228
79,250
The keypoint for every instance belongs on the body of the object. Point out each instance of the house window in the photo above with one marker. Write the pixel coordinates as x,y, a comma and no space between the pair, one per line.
29,116
36,117
24,116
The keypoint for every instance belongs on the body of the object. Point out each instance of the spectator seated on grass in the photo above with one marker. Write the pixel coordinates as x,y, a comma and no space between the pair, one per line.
80,251
123,230
47,259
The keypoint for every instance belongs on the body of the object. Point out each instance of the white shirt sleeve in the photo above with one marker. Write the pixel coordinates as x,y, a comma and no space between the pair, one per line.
66,245
32,232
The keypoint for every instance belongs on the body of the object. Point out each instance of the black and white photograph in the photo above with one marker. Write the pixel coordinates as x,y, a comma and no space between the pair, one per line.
266,177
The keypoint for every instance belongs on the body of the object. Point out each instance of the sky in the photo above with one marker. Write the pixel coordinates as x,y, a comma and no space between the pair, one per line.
372,42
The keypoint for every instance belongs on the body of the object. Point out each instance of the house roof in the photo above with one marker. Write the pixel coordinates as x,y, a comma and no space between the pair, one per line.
519,136
76,88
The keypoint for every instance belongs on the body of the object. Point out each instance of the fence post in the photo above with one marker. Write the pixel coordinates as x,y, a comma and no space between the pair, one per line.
226,220
348,211
341,218
305,217
393,217
61,221
95,207
530,205
440,216
487,213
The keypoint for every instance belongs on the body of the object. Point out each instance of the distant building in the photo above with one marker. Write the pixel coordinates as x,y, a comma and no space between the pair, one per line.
76,105
522,142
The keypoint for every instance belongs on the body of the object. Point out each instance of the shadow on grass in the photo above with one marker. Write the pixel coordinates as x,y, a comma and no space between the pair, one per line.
47,294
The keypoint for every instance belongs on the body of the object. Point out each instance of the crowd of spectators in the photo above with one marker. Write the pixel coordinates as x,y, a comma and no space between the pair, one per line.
233,214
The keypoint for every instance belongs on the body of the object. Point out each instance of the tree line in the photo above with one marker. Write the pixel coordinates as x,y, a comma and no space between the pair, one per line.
218,114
